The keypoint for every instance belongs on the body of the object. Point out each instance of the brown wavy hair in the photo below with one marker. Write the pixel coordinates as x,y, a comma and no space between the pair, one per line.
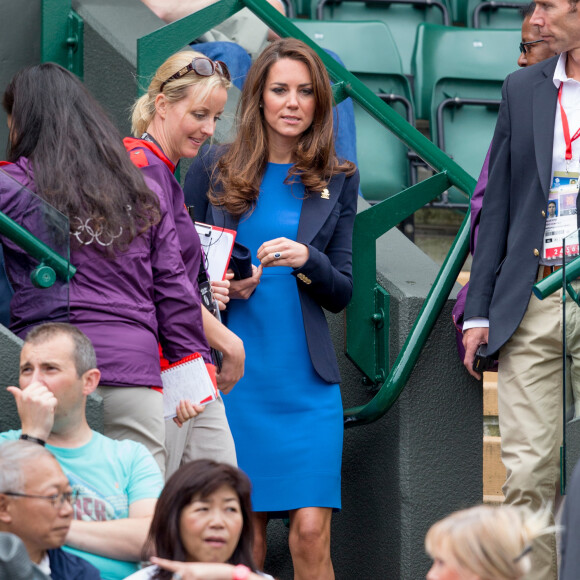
241,168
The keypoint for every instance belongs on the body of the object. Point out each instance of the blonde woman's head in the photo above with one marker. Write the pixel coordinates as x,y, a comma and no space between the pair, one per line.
484,543
176,89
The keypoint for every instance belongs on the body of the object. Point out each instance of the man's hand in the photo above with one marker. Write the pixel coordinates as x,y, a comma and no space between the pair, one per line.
36,407
244,288
472,338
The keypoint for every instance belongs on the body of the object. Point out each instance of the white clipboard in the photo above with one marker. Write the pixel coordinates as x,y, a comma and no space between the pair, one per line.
217,244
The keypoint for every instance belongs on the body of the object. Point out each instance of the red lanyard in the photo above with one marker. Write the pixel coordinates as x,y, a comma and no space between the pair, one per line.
566,128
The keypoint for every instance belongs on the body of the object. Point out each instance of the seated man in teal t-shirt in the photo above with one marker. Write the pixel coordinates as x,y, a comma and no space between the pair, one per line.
118,482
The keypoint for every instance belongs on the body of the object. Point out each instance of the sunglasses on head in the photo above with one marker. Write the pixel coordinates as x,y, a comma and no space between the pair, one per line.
524,45
201,66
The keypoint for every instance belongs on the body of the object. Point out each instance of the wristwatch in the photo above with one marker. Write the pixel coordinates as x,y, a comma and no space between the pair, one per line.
241,572
32,439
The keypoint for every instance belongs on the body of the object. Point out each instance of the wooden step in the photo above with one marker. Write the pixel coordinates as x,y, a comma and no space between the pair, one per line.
493,470
489,394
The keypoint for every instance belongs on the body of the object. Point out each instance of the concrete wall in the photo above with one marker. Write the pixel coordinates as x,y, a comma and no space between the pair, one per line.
19,47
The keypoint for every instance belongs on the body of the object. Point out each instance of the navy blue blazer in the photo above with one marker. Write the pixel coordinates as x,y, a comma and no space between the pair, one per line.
513,219
325,226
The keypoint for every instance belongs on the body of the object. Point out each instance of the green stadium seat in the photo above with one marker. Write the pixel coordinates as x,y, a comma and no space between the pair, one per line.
459,73
371,55
401,16
459,12
494,14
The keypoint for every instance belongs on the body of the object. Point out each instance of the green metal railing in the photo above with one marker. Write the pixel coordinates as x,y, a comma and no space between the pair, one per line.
62,35
51,265
555,281
367,336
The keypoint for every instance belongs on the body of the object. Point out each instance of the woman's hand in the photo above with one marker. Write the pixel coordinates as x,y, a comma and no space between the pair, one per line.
283,252
186,410
198,570
221,289
233,361
244,288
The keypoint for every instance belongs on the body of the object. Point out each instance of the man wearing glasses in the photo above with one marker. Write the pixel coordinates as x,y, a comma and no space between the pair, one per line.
533,48
534,148
117,482
36,504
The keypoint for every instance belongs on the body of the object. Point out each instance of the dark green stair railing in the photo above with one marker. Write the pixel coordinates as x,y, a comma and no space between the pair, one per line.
51,264
367,334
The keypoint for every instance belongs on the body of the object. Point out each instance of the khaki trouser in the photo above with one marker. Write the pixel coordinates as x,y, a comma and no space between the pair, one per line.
206,436
136,413
530,412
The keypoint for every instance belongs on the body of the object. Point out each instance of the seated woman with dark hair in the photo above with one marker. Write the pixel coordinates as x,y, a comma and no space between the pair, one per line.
202,526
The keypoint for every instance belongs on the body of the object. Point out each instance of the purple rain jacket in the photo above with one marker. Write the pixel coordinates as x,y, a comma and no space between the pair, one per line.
156,166
125,305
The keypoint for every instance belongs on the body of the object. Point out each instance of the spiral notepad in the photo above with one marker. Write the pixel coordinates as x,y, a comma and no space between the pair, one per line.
187,379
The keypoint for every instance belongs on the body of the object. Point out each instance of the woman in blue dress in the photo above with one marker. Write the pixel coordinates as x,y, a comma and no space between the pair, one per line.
293,204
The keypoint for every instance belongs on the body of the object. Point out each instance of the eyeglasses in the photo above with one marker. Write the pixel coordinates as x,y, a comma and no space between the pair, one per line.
57,500
201,66
523,45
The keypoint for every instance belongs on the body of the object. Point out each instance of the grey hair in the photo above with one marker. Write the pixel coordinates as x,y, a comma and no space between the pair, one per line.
83,352
14,456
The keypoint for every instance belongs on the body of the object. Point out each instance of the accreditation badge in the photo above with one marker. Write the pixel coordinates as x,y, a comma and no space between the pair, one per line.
561,216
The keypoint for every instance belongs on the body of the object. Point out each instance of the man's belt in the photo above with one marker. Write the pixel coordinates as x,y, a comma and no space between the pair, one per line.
545,271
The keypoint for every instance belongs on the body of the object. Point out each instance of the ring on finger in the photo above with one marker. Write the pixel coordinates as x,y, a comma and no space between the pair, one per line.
176,576
277,255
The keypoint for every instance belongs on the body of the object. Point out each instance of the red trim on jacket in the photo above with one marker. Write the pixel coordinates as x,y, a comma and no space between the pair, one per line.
139,158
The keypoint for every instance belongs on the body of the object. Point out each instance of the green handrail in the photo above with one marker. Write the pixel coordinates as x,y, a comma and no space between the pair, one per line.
368,311
554,281
62,35
49,260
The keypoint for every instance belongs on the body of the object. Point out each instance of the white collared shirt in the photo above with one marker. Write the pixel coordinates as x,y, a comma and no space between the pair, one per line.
571,104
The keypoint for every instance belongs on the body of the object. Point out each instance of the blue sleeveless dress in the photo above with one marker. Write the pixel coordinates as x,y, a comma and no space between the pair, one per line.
286,421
